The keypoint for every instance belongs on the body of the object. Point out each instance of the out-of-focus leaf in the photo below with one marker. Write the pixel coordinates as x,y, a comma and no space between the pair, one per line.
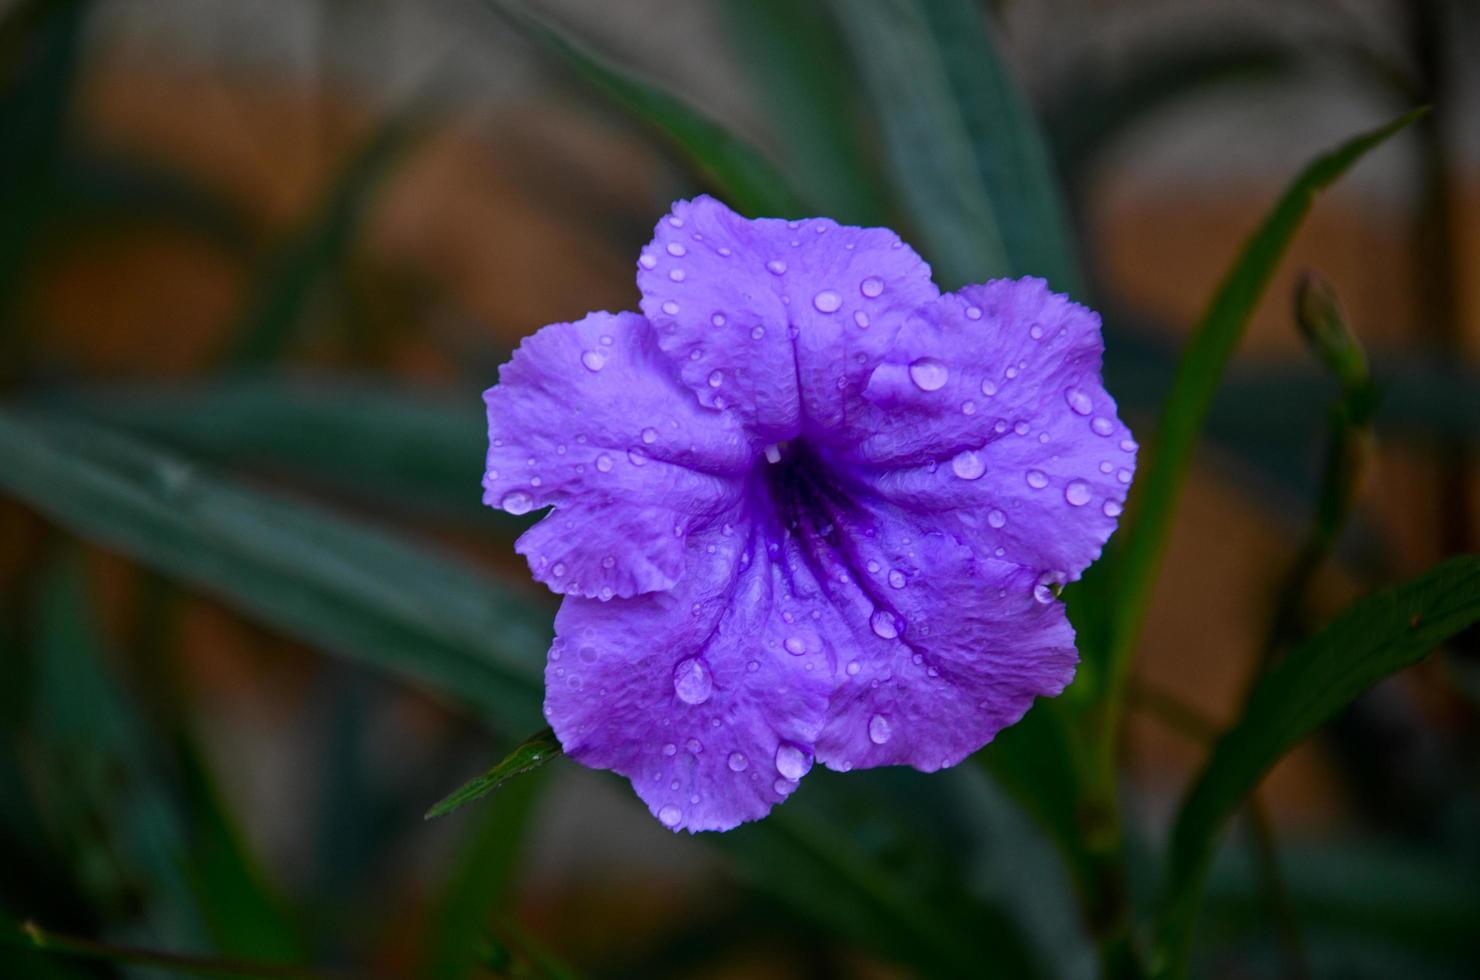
294,274
797,61
968,160
1164,466
243,915
20,957
526,757
1372,639
1094,105
739,172
480,881
333,582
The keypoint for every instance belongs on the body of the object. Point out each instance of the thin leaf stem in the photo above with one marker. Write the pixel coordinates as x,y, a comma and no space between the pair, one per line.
79,947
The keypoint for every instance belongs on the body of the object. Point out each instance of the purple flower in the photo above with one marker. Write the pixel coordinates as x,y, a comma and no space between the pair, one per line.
806,508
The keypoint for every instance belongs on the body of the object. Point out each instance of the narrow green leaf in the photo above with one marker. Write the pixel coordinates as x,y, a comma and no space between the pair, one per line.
737,170
797,61
526,757
331,581
481,879
293,275
1164,466
968,160
1374,638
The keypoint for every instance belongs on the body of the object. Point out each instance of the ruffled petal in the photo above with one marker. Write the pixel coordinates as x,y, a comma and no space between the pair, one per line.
778,321
951,648
589,417
989,413
704,696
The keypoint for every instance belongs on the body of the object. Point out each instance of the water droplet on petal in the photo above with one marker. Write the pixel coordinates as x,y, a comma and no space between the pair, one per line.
1111,508
677,275
692,681
884,625
1124,476
968,465
773,453
896,578
879,730
853,668
670,307
677,250
784,787
670,749
928,374
792,762
756,333
968,408
737,762
1078,401
795,646
973,313
989,389
718,320
517,502
996,518
716,378
636,458
604,463
1127,446
647,261
1036,479
827,301
1102,426
861,318
593,360
694,746
1077,493
670,816
871,287
649,436
776,267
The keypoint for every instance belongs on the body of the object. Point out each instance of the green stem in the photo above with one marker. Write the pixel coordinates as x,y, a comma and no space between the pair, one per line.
202,966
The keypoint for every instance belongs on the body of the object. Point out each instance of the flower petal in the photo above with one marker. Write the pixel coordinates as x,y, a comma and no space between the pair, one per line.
589,417
778,321
989,412
694,694
956,648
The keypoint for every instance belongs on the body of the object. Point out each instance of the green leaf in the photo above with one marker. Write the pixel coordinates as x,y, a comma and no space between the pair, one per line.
797,61
1164,466
1374,638
737,170
333,582
294,274
526,757
481,879
967,157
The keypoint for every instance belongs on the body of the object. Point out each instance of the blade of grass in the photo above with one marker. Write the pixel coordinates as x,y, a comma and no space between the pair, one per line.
741,174
1374,638
526,757
333,582
968,161
1165,464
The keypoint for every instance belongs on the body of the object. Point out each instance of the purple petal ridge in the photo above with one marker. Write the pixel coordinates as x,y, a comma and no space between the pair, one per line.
804,508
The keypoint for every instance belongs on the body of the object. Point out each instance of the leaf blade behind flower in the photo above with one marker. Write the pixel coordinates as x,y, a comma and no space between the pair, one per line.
526,757
1375,637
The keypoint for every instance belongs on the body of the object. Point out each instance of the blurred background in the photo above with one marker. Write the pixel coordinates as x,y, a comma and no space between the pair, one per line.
282,248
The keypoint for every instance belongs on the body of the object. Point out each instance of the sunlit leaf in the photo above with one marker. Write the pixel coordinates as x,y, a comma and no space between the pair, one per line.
526,757
736,169
1375,637
351,589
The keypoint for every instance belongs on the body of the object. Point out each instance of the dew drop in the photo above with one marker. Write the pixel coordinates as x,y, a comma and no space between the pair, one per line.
1036,479
756,333
1077,493
604,463
968,408
647,262
879,730
636,458
1111,508
677,250
1124,476
973,313
670,307
795,646
1036,332
827,301
861,318
928,374
1102,426
716,378
737,762
694,746
792,762
853,668
593,360
968,465
559,570
649,436
989,389
677,275
776,267
871,287
692,681
996,518
883,624
517,502
670,749
896,578
784,787
1127,446
670,815
1078,401
718,320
